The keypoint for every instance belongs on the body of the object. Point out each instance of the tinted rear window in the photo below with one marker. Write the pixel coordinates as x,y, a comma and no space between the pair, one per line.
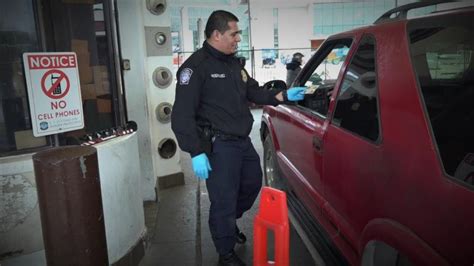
442,51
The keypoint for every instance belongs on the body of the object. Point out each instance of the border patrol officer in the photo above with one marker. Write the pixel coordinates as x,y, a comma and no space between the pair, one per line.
212,121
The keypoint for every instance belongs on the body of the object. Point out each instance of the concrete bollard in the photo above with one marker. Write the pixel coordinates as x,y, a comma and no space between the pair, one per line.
70,202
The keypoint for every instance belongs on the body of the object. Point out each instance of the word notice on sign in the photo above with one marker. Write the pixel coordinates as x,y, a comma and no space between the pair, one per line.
54,92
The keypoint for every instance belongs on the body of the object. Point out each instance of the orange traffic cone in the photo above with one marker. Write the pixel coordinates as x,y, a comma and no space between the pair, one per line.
273,215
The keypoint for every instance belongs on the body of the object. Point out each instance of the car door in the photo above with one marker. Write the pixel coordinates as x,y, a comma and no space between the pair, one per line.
352,145
301,127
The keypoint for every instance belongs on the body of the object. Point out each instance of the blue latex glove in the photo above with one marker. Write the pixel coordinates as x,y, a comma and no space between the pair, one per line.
201,166
295,93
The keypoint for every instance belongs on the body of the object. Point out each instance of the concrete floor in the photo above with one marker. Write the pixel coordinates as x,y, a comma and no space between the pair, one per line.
178,229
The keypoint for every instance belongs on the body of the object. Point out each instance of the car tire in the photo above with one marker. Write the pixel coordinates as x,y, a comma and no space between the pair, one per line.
272,173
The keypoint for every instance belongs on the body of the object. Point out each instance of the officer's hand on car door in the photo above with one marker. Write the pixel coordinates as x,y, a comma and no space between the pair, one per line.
295,93
201,166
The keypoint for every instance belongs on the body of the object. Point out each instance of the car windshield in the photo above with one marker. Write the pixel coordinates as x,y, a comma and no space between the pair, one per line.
443,56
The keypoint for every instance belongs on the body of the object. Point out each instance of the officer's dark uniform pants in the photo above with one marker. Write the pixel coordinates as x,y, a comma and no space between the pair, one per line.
233,186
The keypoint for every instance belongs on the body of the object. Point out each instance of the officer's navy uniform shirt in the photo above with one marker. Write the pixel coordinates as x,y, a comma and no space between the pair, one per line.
214,87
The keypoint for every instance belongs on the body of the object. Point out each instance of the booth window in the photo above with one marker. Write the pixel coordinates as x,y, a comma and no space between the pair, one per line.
18,34
86,27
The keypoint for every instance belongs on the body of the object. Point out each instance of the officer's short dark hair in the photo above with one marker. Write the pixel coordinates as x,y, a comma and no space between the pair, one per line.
218,21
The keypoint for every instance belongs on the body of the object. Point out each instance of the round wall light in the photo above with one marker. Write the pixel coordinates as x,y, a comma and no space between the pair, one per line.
156,7
167,148
163,112
160,38
162,77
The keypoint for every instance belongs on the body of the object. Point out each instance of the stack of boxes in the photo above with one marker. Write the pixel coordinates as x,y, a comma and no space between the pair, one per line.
95,91
81,48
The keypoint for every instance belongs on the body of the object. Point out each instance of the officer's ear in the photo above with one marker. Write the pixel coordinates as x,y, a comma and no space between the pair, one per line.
216,35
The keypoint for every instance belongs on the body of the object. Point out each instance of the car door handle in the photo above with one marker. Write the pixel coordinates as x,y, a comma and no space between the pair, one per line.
317,144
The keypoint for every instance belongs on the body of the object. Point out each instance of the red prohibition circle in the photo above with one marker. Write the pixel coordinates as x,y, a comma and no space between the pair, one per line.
50,89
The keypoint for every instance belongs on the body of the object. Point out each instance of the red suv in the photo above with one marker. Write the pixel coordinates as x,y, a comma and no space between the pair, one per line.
380,153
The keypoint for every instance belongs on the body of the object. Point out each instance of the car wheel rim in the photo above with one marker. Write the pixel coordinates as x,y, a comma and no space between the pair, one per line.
270,169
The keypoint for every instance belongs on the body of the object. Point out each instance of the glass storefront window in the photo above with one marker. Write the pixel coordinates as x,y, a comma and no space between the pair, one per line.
84,31
80,26
18,34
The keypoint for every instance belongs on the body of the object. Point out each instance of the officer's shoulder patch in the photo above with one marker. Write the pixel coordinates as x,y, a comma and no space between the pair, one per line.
244,75
185,76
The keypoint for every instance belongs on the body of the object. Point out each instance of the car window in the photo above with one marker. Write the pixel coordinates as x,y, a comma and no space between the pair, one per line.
443,57
323,74
356,106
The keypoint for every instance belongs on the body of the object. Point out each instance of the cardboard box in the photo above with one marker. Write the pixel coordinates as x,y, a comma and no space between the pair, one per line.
86,74
80,46
83,60
101,79
104,105
88,92
98,72
105,88
24,139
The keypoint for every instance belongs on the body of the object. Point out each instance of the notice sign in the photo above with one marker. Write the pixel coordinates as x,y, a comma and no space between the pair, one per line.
54,92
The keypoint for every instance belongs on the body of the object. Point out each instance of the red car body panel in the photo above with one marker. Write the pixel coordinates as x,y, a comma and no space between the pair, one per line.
393,190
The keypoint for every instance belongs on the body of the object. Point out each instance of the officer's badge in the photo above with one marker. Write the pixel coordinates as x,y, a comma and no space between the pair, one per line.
185,76
244,76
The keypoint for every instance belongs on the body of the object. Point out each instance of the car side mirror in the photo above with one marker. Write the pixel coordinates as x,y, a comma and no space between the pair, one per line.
275,85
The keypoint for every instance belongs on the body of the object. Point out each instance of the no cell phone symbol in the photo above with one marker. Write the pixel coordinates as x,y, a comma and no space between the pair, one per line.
54,79
55,84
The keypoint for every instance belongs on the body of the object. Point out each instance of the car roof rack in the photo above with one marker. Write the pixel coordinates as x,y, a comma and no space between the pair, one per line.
401,11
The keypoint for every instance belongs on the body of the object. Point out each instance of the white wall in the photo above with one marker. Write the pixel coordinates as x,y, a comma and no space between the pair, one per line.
187,35
20,225
294,31
142,96
119,170
262,28
132,41
157,96
295,27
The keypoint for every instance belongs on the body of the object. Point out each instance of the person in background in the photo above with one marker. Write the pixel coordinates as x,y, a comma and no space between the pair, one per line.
212,122
293,68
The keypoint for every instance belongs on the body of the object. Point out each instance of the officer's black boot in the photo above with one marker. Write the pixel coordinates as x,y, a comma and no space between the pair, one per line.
239,236
230,259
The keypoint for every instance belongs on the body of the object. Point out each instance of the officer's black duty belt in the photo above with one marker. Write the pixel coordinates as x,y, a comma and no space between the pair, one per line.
224,136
